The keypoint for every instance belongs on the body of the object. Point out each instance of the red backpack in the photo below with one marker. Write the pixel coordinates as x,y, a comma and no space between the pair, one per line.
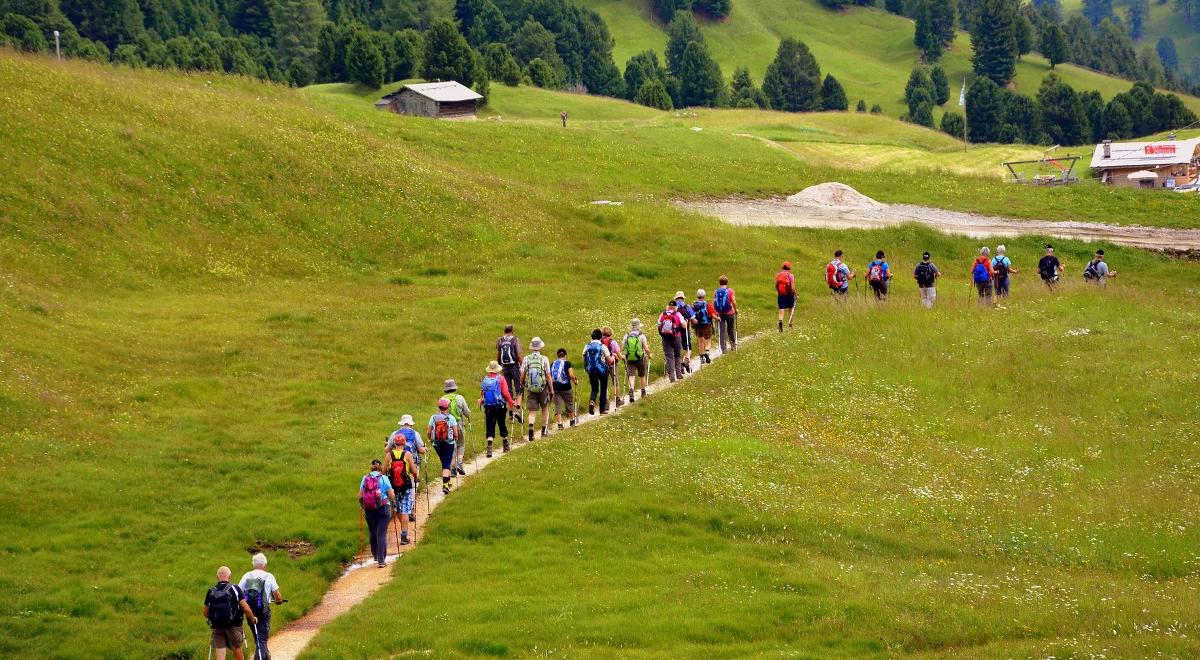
783,283
399,473
832,276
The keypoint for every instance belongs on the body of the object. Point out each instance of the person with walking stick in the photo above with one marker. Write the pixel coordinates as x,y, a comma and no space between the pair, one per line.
225,607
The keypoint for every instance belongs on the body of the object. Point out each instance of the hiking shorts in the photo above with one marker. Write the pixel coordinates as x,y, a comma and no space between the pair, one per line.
564,400
404,500
228,638
637,367
445,451
538,400
704,331
786,300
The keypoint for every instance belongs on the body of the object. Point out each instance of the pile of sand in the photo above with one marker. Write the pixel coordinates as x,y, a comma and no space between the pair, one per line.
836,196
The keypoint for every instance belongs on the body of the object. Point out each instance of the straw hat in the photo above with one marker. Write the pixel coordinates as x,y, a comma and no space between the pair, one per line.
679,294
493,367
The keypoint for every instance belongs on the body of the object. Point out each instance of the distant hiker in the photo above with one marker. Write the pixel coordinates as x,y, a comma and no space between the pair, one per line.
374,496
703,315
685,335
596,362
535,377
402,472
563,375
926,274
495,399
785,290
614,364
443,432
260,589
981,275
1097,271
879,276
508,354
726,305
669,323
1049,268
1002,267
408,438
461,412
224,607
637,357
838,276
563,116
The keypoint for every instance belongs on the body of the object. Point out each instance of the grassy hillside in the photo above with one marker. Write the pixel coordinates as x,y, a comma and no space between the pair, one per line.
1164,22
869,51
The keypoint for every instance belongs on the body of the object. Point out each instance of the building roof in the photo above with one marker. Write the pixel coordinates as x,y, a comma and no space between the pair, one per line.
442,92
1145,154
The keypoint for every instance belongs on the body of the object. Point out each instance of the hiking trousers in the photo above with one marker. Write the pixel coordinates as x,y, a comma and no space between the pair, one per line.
728,327
672,346
377,529
496,415
262,632
599,383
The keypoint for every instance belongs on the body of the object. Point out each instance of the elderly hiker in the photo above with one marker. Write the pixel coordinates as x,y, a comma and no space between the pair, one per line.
410,439
838,276
461,412
508,354
562,372
375,497
260,589
1097,271
982,275
495,399
443,432
926,274
703,316
785,293
1049,268
596,362
727,310
225,607
614,363
669,323
685,333
637,357
1002,267
402,472
535,377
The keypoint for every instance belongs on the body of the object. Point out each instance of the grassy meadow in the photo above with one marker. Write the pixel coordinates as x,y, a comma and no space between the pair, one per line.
219,295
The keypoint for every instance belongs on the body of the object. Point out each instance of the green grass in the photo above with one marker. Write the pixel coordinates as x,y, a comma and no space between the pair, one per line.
1164,21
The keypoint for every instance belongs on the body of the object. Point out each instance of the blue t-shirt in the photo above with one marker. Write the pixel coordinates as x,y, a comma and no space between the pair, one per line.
886,269
453,426
385,486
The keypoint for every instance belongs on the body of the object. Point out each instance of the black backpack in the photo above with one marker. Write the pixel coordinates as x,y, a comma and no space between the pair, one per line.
924,275
224,607
1046,268
1000,266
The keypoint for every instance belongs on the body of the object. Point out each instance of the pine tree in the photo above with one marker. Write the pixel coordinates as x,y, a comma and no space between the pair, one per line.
742,91
1138,13
489,26
1024,32
1093,109
941,85
364,62
1054,45
1118,124
253,17
298,23
925,35
919,80
985,110
331,54
861,106
533,41
994,41
952,124
1097,10
793,80
700,80
681,31
653,94
1062,113
447,55
1167,53
541,74
833,97
944,14
640,68
713,8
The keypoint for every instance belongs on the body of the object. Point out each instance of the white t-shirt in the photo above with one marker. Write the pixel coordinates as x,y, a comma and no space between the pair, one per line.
269,580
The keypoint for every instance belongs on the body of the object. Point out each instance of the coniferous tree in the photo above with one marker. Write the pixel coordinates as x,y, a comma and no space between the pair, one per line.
640,68
1138,13
952,124
1093,109
918,80
861,106
408,44
925,35
1167,53
994,41
944,15
364,61
653,94
833,97
895,7
254,17
1118,124
447,55
985,110
667,9
1054,45
23,34
331,54
298,23
542,74
793,80
713,8
920,108
876,109
1024,33
533,41
489,25
742,91
1097,10
681,31
700,80
941,85
1062,113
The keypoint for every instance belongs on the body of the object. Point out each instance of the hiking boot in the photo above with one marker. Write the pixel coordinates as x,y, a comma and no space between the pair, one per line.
445,489
781,326
573,421
560,427
643,393
591,407
531,434
545,432
412,517
489,449
507,446
403,540
460,471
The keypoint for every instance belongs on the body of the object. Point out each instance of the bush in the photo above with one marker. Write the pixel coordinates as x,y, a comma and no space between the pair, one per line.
128,55
952,124
653,94
23,34
876,109
541,74
861,106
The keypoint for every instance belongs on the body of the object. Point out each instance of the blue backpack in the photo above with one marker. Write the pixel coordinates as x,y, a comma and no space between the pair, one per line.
593,358
410,443
980,273
700,313
558,371
721,300
490,387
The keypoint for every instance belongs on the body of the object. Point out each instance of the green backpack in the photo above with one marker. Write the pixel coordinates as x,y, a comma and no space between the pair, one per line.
634,352
535,374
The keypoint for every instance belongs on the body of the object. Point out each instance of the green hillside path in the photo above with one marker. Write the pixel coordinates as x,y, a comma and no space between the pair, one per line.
363,579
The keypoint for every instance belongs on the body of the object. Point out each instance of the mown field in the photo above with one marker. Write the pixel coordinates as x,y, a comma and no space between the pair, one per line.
218,297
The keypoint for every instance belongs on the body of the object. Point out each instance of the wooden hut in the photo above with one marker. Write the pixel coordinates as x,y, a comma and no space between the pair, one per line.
1171,162
440,100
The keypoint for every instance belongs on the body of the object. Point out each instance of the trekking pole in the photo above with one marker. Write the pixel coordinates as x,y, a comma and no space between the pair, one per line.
360,526
257,646
396,528
210,647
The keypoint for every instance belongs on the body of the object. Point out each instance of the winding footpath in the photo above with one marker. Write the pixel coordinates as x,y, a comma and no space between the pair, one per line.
363,579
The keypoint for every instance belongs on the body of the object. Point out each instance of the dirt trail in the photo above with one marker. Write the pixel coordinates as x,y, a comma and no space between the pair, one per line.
361,580
834,206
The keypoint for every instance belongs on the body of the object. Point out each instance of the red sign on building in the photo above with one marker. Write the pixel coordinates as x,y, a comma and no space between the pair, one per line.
1160,150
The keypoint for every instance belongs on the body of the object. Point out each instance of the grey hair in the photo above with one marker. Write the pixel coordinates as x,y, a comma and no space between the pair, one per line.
259,560
999,249
985,251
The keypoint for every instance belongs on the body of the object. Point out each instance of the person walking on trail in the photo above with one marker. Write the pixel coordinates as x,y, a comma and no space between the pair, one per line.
260,589
461,412
685,335
495,398
408,438
926,274
637,357
1002,267
725,304
402,472
562,372
225,608
563,116
838,276
614,364
535,377
703,315
668,331
1097,271
508,354
879,276
1049,268
375,497
596,362
785,290
443,432
981,275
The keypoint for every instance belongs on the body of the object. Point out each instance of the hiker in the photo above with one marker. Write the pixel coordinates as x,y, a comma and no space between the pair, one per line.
260,589
1002,267
374,496
495,399
1097,271
596,361
685,335
926,274
785,289
508,354
402,473
563,115
637,356
563,375
726,305
879,276
224,607
1049,268
838,276
443,432
668,330
461,412
614,363
703,315
981,275
408,438
535,377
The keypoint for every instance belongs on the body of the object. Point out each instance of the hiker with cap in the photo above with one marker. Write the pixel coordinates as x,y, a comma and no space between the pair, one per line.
838,276
879,276
375,497
508,355
596,362
539,390
926,274
637,357
495,399
981,275
408,437
1097,271
461,412
402,473
225,607
685,334
260,590
1049,267
443,432
785,293
703,316
669,323
727,310
562,372
614,364
1002,267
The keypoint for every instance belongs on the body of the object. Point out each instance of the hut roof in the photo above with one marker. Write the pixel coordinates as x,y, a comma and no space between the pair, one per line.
1145,154
442,92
